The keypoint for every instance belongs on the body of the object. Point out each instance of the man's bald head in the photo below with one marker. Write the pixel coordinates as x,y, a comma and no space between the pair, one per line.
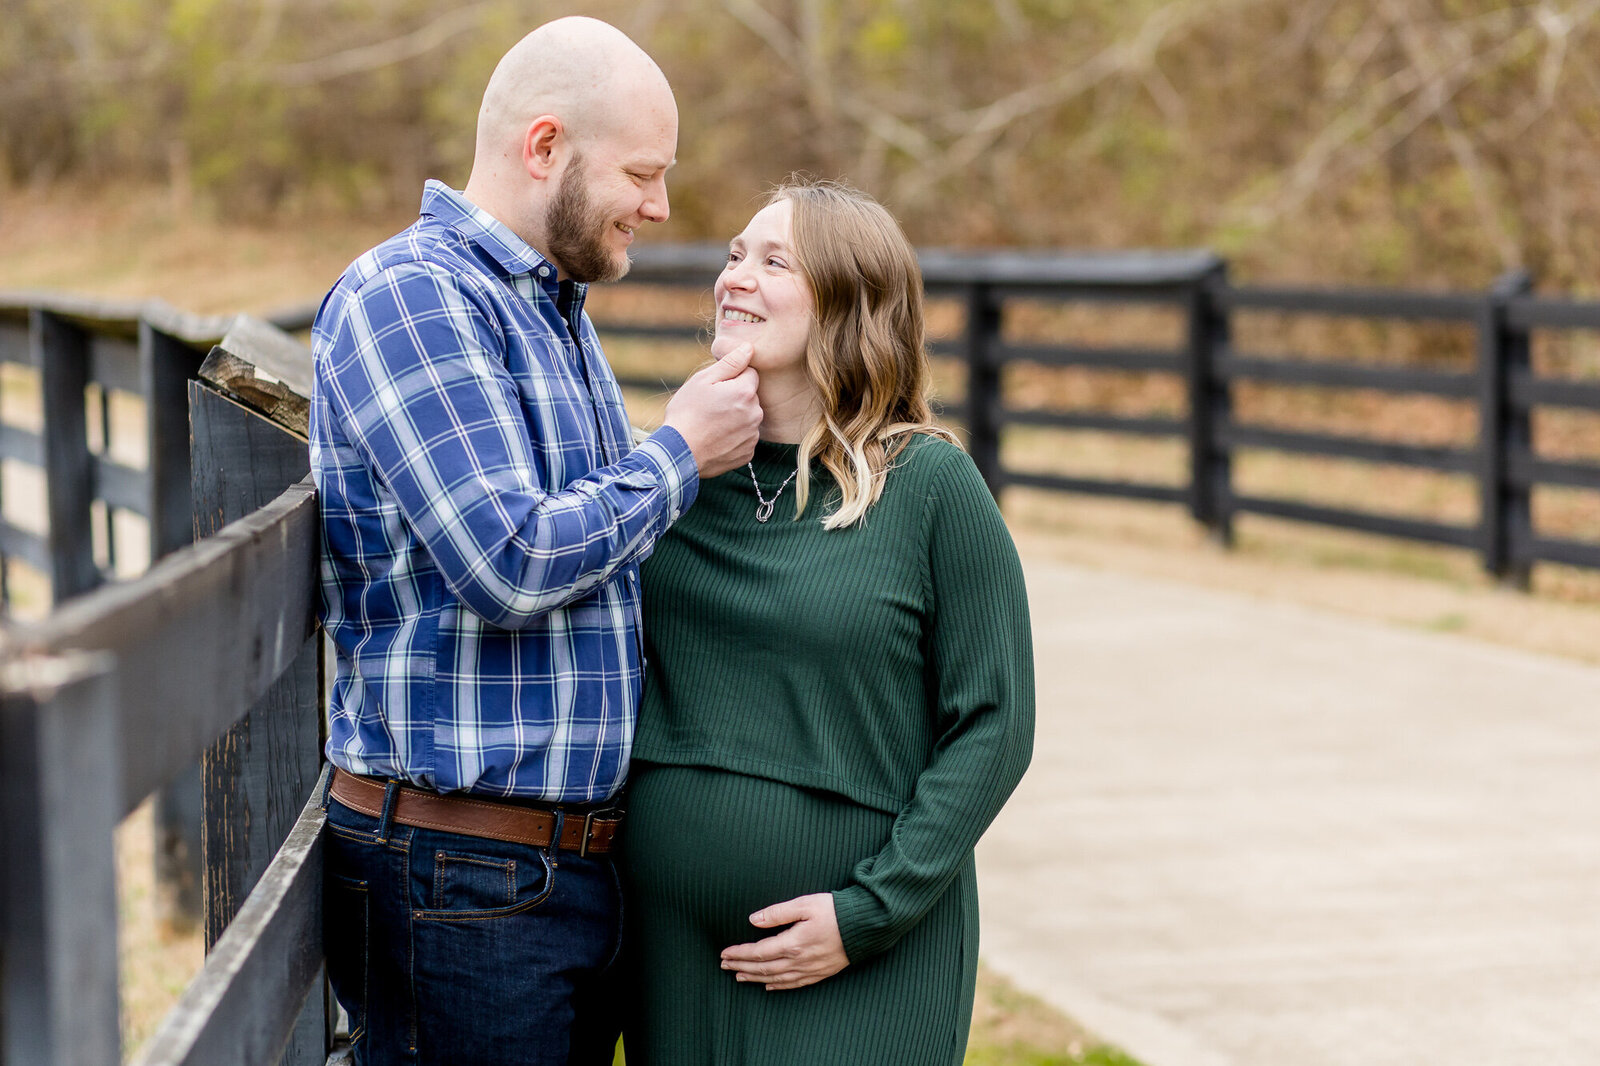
585,72
577,131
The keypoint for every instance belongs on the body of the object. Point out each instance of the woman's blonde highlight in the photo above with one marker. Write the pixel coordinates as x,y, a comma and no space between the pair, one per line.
866,355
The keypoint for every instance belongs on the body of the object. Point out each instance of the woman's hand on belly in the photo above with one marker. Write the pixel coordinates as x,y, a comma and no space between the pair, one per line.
803,954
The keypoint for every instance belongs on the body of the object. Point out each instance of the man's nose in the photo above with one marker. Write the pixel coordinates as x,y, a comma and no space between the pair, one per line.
655,206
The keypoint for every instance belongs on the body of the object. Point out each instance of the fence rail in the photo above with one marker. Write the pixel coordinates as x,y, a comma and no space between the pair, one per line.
210,656
1501,384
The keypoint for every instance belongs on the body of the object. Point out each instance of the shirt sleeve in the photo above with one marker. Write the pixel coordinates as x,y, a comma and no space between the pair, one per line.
980,674
416,376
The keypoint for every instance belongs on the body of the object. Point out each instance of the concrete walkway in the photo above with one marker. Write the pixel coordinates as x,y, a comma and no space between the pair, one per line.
1256,835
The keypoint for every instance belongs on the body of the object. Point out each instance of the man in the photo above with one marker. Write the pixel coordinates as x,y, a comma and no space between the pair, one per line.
484,512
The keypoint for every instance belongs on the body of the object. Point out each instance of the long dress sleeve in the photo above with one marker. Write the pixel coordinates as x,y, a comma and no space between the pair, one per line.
979,679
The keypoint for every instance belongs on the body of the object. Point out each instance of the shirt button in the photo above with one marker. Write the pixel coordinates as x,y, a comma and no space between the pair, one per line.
675,514
544,272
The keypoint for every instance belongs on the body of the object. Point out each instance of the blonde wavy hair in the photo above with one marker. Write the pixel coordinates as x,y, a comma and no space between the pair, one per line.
866,354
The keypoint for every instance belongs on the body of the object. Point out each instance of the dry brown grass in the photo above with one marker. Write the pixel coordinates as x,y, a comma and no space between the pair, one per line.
158,959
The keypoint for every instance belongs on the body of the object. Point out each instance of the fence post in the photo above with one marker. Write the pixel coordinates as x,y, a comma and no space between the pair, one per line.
983,384
257,776
1210,405
60,351
1504,429
165,366
59,796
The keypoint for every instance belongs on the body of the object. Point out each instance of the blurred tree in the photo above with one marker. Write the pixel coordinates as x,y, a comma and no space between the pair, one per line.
1436,141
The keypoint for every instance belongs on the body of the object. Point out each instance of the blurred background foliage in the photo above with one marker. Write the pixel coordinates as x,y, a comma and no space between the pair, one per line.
1424,142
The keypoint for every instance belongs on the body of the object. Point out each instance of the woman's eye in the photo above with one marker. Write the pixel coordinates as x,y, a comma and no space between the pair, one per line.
778,263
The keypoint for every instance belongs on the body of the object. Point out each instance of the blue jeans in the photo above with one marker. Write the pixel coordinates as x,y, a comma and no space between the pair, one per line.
446,948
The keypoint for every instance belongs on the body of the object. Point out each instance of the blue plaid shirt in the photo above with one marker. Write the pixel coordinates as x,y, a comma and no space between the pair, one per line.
484,512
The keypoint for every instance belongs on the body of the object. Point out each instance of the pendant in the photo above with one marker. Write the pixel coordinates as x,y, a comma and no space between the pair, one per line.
764,510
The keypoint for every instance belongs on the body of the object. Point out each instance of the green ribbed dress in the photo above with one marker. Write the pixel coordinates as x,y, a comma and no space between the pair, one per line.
841,711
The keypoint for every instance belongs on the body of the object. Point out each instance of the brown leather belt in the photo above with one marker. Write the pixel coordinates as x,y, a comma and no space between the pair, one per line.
593,831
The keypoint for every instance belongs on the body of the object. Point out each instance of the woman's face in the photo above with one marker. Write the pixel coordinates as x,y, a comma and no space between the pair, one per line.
762,299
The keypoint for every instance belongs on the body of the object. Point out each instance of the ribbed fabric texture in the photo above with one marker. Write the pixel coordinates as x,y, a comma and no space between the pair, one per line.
704,850
889,663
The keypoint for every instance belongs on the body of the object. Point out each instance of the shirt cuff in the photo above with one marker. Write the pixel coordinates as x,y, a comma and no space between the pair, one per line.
668,453
865,927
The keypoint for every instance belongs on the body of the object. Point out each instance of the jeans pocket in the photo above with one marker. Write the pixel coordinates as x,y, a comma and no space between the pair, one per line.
474,886
346,931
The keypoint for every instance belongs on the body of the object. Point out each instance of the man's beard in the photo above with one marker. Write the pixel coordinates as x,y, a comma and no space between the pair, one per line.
577,232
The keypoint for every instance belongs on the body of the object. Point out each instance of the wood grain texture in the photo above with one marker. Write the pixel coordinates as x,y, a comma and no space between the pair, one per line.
256,777
61,352
199,637
58,907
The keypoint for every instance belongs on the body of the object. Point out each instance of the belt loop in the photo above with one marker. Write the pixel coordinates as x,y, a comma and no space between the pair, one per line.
588,828
391,792
555,836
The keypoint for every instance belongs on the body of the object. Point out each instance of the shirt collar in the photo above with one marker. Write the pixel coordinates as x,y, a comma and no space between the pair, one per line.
513,253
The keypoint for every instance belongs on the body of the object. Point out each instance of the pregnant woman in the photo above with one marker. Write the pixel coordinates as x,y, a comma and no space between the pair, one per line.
840,684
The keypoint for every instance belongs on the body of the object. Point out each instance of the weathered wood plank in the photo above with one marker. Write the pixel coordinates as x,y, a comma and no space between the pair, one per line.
1084,420
1352,302
1132,359
1452,460
1291,371
60,351
14,343
271,352
1097,486
256,776
243,1005
21,444
58,808
127,487
258,773
199,637
26,545
166,365
1365,522
119,318
114,362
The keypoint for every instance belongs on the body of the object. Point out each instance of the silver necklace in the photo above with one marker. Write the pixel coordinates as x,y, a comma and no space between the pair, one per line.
764,508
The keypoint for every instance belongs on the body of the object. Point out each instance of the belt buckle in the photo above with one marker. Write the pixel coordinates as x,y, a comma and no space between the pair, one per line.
614,813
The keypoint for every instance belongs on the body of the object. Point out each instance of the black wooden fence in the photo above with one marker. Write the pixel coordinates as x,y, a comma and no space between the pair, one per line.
212,657
1501,384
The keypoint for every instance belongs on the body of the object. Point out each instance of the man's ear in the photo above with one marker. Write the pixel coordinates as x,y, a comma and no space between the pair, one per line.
543,145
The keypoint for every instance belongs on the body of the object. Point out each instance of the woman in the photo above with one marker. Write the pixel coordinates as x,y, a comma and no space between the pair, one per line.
840,684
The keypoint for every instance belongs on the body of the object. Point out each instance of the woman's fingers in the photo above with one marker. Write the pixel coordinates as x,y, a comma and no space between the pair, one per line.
803,954
749,957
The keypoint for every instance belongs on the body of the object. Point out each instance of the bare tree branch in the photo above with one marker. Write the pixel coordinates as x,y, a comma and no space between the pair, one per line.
1352,140
759,21
980,129
1460,144
435,34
